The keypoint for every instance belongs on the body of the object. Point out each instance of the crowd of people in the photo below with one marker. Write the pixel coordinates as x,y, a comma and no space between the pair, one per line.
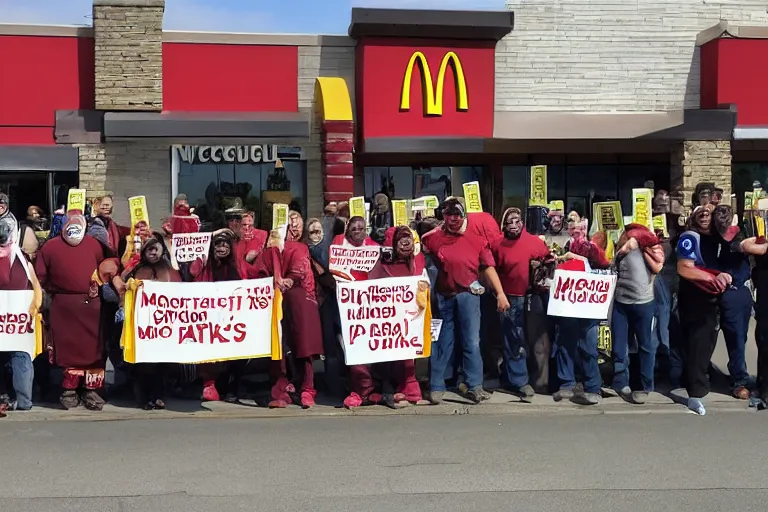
489,284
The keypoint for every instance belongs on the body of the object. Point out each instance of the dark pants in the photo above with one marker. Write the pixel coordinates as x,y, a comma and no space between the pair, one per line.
735,312
335,369
698,322
515,370
576,353
539,342
639,319
148,381
761,339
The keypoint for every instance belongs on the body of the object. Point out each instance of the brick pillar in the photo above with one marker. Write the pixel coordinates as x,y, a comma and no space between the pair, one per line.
696,161
338,160
129,54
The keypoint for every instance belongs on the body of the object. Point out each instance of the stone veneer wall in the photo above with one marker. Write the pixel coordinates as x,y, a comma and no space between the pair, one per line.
129,54
695,161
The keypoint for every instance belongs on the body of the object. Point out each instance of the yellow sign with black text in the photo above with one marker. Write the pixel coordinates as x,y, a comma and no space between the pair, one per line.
433,93
538,195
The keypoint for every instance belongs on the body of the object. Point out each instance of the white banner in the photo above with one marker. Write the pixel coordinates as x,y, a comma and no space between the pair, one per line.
384,320
345,260
197,322
17,328
581,294
190,246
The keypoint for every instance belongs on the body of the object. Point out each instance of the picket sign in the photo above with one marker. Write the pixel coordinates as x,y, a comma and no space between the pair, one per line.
581,294
188,247
385,319
348,259
18,331
194,323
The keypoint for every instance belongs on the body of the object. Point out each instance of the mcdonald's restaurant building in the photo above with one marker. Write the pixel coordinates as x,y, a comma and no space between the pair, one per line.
409,103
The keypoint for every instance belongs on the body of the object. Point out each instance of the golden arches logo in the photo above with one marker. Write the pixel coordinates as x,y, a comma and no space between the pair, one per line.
433,94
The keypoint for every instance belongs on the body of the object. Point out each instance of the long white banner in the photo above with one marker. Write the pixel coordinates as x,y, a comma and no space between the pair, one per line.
17,327
199,322
384,320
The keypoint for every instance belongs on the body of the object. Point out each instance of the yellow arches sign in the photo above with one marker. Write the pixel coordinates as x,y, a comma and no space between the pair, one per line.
433,93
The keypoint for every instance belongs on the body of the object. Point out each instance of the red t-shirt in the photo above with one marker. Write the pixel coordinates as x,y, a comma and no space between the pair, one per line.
483,224
513,261
459,259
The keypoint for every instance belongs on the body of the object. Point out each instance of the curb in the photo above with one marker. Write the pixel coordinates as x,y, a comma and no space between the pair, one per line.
245,412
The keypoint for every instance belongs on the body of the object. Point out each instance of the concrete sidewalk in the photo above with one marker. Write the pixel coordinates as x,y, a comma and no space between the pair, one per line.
500,403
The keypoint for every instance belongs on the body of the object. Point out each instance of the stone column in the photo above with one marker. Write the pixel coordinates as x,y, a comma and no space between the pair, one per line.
695,161
128,54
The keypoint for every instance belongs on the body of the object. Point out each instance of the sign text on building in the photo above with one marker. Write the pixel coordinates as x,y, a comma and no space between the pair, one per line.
236,154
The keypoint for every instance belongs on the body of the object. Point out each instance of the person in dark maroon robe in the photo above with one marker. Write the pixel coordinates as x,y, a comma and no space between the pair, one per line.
221,265
403,263
65,266
302,332
154,265
16,273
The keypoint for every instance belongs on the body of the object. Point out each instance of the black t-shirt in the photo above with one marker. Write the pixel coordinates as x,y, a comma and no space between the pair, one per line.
709,248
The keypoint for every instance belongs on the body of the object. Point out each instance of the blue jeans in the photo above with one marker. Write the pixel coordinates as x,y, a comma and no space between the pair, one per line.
638,317
515,369
735,311
23,378
460,314
576,350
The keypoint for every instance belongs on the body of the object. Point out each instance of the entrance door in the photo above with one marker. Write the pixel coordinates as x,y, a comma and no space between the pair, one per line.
25,189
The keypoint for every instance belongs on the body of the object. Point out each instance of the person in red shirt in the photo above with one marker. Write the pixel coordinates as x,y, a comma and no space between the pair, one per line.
513,254
354,235
251,241
461,257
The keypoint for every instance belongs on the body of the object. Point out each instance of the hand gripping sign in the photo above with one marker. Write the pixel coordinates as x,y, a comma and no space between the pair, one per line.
385,319
201,322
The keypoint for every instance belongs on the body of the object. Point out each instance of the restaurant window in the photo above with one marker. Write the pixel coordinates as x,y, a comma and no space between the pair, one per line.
414,182
744,175
214,178
578,186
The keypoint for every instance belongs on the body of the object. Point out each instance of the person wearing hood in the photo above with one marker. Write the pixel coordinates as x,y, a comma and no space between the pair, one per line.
381,217
462,258
575,347
154,265
701,287
302,331
221,265
17,273
25,238
513,255
634,308
65,266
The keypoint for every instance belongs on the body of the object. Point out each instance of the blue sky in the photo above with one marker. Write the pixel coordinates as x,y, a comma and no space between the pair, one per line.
287,16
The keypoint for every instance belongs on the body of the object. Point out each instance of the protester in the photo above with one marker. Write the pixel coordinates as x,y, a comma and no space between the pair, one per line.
701,286
103,207
250,241
220,265
462,257
639,258
65,266
381,217
575,347
154,265
17,273
513,254
736,302
302,332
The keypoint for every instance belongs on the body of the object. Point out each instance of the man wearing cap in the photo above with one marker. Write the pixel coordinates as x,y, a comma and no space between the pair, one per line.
462,257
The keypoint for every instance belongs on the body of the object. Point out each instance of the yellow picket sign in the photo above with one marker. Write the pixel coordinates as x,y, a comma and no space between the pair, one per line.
279,215
538,195
608,216
642,207
400,212
76,199
472,197
660,224
138,209
357,207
